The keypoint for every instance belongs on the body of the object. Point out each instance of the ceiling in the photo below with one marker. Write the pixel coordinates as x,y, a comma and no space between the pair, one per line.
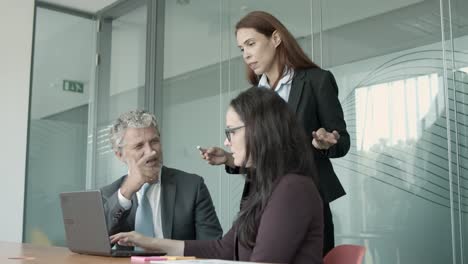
382,27
90,6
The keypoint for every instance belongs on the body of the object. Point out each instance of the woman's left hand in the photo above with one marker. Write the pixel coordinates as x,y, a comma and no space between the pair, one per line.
323,139
132,239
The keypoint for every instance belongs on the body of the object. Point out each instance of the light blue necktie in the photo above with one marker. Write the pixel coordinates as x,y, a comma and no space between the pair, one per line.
144,215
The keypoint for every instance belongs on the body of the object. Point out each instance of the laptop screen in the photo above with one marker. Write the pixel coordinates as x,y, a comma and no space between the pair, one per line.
85,224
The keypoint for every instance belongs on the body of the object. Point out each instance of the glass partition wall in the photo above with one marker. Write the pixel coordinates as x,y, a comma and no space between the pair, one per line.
120,81
62,85
404,174
402,71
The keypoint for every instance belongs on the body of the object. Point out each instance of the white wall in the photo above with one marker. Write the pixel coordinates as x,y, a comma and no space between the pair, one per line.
16,29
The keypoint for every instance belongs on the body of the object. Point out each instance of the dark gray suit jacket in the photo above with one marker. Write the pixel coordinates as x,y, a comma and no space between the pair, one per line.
314,99
187,211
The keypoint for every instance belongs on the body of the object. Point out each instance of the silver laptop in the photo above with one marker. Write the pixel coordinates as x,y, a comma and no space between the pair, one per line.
85,226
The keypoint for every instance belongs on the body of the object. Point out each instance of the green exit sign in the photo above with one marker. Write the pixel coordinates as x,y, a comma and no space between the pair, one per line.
73,86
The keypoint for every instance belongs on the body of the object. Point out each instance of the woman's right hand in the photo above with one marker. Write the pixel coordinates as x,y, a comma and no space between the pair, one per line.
216,156
133,239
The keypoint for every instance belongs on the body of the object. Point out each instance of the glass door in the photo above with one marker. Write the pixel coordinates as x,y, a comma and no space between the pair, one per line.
121,83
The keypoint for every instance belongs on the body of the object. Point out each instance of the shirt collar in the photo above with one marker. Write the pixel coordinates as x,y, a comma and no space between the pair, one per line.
159,178
286,79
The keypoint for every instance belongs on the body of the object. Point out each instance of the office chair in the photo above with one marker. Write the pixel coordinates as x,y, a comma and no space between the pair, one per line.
345,254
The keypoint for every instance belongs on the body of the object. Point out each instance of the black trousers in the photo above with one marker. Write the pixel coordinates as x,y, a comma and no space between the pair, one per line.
329,229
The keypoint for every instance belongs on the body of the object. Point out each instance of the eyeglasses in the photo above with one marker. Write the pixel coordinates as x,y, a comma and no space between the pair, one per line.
229,130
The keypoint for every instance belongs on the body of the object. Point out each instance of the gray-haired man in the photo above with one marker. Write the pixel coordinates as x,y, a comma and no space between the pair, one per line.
153,199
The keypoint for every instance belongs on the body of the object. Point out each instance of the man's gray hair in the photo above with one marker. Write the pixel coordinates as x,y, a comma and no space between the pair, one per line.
132,119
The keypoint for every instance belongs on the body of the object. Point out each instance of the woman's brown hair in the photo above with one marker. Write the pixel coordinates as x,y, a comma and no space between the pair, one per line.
275,146
289,53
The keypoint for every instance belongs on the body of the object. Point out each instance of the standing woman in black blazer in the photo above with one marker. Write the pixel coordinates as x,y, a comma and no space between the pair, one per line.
275,61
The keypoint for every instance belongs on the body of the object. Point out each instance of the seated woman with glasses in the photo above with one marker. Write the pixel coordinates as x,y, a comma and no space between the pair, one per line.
281,220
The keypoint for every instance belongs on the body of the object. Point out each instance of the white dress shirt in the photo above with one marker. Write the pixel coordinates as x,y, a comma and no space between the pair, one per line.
154,197
283,88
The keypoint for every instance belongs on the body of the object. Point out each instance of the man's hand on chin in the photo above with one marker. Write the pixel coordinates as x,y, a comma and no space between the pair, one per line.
146,169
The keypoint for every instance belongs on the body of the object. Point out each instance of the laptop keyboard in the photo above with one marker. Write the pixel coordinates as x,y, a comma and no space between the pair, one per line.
128,253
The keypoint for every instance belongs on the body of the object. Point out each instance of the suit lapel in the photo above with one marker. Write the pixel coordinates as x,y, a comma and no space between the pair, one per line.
168,194
296,89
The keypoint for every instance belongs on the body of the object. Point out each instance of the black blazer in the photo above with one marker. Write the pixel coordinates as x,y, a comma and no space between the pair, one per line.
314,99
187,211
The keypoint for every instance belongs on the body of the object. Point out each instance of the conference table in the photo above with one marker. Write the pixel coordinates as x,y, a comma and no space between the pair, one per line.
23,253
16,253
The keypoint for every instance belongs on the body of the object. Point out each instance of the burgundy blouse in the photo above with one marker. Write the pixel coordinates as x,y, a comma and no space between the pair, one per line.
290,229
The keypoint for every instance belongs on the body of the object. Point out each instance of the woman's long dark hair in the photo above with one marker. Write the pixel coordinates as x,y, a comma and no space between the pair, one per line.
276,145
289,52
